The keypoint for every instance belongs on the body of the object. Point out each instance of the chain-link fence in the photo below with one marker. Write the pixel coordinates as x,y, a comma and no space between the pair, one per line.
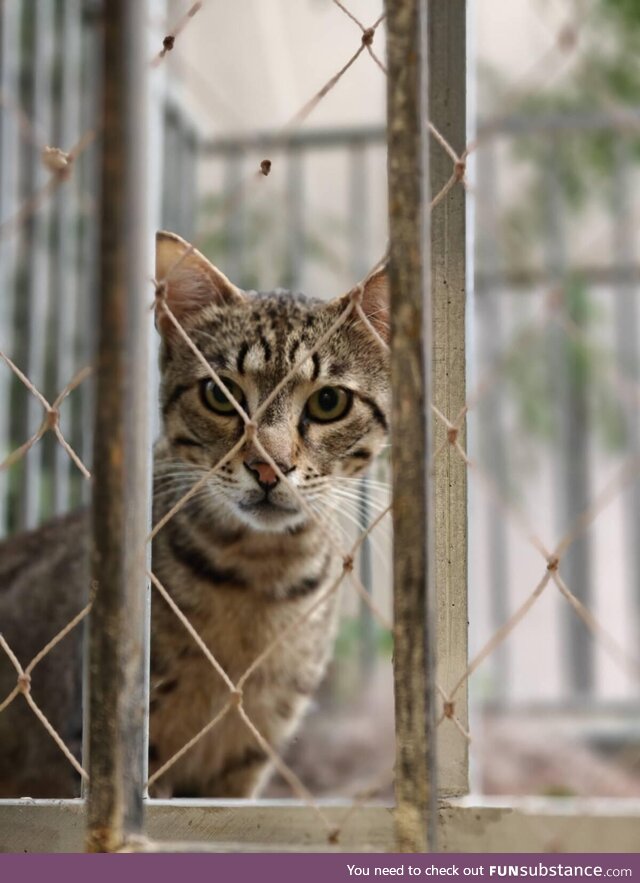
49,222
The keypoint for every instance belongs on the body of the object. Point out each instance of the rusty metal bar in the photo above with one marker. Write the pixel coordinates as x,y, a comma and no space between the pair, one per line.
410,373
117,642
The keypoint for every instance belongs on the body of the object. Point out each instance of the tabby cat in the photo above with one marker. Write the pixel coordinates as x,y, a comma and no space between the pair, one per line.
242,559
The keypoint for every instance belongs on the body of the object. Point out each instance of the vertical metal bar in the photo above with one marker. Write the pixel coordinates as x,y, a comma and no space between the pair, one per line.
491,423
295,219
68,233
627,315
358,264
9,177
572,462
411,375
88,288
117,640
39,284
447,111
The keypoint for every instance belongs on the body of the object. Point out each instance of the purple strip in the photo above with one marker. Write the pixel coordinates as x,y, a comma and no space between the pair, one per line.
313,867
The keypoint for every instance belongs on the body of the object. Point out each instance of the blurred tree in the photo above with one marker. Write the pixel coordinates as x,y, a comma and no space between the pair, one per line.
574,169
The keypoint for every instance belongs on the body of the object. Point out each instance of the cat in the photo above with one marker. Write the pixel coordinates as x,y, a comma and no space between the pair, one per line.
243,559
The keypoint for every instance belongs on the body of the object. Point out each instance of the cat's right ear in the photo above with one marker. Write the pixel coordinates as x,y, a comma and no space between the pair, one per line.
187,281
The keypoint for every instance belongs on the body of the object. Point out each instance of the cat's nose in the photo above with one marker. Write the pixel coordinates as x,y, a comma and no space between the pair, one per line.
265,474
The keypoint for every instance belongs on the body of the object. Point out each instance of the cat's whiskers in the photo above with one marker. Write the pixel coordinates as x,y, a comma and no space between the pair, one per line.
355,504
356,492
173,481
336,530
338,497
165,467
331,518
181,474
316,489
172,484
353,507
360,484
373,538
331,509
362,489
202,495
364,481
318,481
177,485
169,494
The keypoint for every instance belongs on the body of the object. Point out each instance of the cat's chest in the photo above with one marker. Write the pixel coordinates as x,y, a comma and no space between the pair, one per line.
274,655
231,630
260,619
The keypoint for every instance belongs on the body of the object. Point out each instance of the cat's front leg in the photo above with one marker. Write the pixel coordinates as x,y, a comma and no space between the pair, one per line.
243,774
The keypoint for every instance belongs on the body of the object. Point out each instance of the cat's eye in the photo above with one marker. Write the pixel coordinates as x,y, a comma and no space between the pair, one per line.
328,403
215,398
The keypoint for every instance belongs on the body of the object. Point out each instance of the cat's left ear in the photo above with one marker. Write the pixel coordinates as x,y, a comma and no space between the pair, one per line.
375,301
190,281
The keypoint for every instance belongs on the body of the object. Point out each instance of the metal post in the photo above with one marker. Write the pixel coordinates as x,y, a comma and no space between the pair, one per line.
447,112
117,644
88,170
410,373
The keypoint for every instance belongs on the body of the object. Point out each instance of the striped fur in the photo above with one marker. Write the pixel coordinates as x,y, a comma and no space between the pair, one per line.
245,575
242,564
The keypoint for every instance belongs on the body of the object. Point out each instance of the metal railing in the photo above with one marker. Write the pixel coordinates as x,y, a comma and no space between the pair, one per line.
505,291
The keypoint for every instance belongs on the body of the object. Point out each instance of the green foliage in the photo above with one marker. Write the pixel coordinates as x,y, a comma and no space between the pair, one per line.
625,13
533,374
574,167
605,76
350,636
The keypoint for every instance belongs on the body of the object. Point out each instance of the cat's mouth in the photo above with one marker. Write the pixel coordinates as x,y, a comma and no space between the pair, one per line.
265,504
265,513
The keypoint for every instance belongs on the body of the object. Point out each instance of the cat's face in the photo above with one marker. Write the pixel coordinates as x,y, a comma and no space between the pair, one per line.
328,421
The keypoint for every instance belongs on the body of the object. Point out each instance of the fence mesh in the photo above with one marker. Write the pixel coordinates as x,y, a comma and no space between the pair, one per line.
556,320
